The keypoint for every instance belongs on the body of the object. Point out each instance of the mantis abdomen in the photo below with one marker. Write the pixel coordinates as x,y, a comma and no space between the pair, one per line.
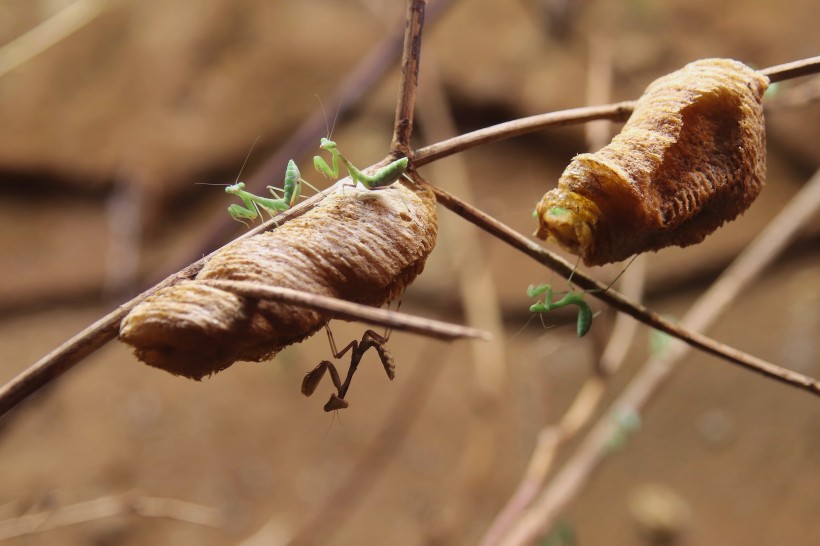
362,250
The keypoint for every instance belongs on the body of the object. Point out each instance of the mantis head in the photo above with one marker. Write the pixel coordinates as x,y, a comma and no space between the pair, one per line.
233,189
327,144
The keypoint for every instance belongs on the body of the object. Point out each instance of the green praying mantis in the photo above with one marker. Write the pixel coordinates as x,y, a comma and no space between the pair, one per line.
382,178
292,187
584,322
585,316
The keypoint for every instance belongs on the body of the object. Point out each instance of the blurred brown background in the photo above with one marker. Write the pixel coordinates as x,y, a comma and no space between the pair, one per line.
103,140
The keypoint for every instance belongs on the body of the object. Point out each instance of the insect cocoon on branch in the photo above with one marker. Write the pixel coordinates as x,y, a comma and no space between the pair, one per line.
359,245
691,157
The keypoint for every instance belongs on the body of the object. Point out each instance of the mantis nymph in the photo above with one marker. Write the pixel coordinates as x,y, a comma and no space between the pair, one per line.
380,179
337,400
571,298
292,189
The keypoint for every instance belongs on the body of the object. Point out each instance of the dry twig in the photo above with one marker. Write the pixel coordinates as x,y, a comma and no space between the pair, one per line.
408,86
347,310
347,94
552,437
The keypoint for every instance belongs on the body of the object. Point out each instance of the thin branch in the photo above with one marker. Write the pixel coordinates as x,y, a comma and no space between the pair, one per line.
106,507
766,247
795,69
48,33
409,83
619,111
624,330
552,437
616,300
347,310
616,112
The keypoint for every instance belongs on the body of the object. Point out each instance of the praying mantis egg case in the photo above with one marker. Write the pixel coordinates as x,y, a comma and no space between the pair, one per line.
691,157
365,250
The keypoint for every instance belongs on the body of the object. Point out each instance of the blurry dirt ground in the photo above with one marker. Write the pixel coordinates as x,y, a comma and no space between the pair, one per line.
152,97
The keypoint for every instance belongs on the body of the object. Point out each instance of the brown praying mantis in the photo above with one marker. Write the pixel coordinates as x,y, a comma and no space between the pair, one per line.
369,340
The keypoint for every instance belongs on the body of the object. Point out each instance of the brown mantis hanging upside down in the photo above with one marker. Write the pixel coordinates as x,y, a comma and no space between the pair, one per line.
370,339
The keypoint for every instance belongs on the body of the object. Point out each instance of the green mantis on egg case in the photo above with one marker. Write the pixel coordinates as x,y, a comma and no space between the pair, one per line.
291,192
382,178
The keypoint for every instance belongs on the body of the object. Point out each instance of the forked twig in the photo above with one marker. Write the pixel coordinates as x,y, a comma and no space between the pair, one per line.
360,79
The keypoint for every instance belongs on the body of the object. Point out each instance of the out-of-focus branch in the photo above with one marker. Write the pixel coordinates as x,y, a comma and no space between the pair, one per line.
106,507
411,55
734,280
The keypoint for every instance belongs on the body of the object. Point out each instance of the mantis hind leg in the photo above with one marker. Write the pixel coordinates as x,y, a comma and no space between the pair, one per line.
239,213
